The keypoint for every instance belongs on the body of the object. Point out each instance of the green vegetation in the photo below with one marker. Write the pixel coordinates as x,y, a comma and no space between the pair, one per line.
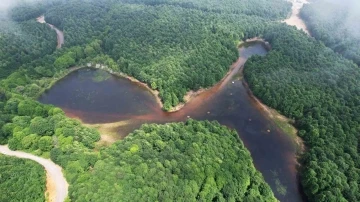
21,180
30,126
173,49
176,46
23,42
277,9
336,23
180,161
308,82
187,162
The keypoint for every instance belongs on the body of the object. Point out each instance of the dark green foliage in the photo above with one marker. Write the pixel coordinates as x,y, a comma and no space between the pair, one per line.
175,162
165,46
275,9
27,11
319,89
23,42
176,46
21,180
336,23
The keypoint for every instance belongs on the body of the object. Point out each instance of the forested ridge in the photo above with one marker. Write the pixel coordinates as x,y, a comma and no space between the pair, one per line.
21,180
177,46
336,23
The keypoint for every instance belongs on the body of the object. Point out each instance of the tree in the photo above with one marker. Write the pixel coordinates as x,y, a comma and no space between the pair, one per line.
45,143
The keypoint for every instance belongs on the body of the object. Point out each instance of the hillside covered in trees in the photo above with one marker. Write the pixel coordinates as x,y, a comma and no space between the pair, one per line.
336,23
21,180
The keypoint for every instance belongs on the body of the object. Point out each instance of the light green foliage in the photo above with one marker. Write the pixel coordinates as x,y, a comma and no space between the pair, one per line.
21,180
31,142
41,127
45,143
64,61
26,108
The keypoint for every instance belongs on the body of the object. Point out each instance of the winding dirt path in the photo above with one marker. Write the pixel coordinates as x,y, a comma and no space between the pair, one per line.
59,34
56,184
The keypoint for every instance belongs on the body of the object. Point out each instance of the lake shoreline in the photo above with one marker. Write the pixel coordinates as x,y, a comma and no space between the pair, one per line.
210,104
188,97
280,120
283,122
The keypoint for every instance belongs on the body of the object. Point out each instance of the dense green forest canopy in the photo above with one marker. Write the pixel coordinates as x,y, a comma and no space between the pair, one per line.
23,42
276,9
174,47
21,180
172,40
174,162
336,23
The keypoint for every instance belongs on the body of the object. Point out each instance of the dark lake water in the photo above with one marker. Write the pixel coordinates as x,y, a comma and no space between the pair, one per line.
95,96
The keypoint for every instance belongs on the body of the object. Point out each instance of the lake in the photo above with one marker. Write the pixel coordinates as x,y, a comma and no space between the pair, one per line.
95,96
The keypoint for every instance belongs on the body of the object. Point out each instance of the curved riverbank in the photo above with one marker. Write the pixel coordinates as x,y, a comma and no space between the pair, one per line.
189,96
56,184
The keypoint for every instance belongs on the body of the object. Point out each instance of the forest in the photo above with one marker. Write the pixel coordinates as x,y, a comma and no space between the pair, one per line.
181,161
102,33
175,46
336,23
23,42
192,161
21,180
